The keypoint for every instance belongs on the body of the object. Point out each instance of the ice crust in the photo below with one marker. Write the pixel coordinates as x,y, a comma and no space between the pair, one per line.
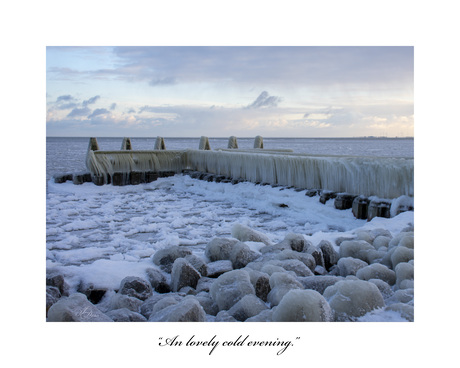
100,235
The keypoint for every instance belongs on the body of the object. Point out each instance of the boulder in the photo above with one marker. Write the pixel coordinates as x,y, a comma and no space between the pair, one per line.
75,308
217,268
209,306
280,284
297,242
302,306
326,195
350,299
52,296
244,233
198,263
264,316
406,311
402,296
241,255
360,249
330,256
188,309
219,249
136,287
293,265
157,280
248,306
403,271
125,315
360,207
147,307
306,258
166,257
344,201
183,274
318,283
377,271
349,266
381,241
378,208
401,255
59,282
118,301
261,283
223,316
317,254
231,287
384,288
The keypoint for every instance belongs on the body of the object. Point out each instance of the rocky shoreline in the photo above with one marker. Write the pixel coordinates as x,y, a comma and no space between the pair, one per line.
292,280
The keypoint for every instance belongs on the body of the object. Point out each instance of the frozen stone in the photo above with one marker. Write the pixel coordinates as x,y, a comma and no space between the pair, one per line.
318,283
360,249
406,311
188,309
220,249
264,316
330,256
297,242
377,271
209,306
404,271
317,255
125,315
406,284
381,241
164,303
303,306
349,266
198,263
400,255
401,296
135,287
231,287
118,301
353,298
248,306
293,265
183,274
244,233
58,281
146,307
395,241
407,241
261,283
166,257
275,248
157,280
217,268
270,268
365,235
223,316
52,296
75,308
281,283
241,255
305,258
384,288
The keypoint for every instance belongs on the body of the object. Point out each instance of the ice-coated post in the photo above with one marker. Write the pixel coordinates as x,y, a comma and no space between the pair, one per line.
204,144
160,144
232,143
93,145
259,142
126,144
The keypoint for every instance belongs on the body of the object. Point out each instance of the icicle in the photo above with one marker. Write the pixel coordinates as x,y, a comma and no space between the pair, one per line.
160,144
204,144
126,145
93,145
258,142
232,143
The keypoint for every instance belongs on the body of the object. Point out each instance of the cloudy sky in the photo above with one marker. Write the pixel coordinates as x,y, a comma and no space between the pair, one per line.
222,91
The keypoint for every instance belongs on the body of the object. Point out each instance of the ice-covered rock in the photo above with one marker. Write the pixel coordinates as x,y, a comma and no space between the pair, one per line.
118,301
384,288
209,306
157,280
306,258
377,271
401,296
261,283
146,307
270,268
297,242
183,274
244,233
302,306
241,255
381,241
76,308
395,241
125,315
406,311
217,268
404,271
318,283
136,287
317,254
349,266
164,303
264,316
400,255
353,298
52,296
223,316
365,235
188,309
198,263
59,282
293,265
407,241
220,249
281,283
330,256
248,306
166,257
360,249
275,248
231,287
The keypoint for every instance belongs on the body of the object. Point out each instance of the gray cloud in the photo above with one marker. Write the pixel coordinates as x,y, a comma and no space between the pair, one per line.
265,100
113,106
163,81
85,111
90,101
64,98
98,112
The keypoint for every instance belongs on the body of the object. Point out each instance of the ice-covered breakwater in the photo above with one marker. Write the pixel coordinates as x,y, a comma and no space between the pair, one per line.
369,176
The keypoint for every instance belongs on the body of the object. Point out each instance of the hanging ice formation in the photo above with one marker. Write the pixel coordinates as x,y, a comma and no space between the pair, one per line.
160,144
382,177
126,144
232,143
